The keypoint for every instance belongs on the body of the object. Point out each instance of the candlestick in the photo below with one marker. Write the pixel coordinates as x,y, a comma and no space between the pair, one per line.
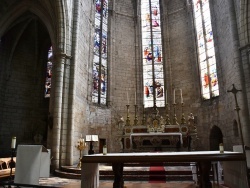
13,143
11,164
175,117
136,119
183,120
174,96
128,119
167,115
181,96
166,95
135,98
143,116
80,146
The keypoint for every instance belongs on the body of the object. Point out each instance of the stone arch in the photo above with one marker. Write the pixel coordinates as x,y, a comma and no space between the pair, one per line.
215,138
52,16
24,50
20,9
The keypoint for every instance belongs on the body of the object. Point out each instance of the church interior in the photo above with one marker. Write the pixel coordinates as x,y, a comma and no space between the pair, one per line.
121,76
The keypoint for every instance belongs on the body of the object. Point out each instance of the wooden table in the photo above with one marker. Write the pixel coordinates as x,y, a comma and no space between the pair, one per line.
90,170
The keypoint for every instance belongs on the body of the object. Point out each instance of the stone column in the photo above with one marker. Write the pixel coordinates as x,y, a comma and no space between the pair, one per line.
58,75
238,55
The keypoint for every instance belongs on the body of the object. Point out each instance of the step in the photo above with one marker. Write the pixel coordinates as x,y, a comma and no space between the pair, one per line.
67,174
133,172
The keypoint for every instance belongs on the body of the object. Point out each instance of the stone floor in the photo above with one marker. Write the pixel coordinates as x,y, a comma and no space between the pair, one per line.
70,183
76,183
156,185
58,182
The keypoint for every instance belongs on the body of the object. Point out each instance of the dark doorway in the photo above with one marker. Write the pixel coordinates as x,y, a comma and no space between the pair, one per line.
102,142
215,138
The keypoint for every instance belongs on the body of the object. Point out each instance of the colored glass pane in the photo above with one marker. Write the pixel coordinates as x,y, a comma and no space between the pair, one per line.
99,91
48,74
207,61
153,75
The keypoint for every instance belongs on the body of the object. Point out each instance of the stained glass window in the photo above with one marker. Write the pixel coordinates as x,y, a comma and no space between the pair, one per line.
153,76
48,74
206,52
99,91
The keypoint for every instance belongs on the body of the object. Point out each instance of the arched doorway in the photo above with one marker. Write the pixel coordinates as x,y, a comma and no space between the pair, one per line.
215,138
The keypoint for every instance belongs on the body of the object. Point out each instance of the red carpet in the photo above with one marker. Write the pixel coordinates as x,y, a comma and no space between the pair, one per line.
157,173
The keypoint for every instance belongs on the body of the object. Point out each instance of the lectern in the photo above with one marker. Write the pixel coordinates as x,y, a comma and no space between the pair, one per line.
91,139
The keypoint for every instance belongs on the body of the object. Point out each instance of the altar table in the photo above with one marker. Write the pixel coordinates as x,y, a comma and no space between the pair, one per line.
90,169
156,140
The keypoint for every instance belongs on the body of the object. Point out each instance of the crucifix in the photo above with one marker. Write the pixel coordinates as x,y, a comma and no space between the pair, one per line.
237,108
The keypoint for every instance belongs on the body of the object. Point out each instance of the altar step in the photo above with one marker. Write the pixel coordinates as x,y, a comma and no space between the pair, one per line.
70,172
133,172
141,172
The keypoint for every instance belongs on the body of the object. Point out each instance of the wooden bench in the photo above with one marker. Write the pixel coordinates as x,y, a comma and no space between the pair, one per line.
5,166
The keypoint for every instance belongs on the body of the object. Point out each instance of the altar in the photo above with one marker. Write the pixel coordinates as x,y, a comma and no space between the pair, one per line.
158,133
156,141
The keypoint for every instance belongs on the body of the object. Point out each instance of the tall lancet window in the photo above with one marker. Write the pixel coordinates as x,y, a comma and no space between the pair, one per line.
99,92
206,52
153,77
48,74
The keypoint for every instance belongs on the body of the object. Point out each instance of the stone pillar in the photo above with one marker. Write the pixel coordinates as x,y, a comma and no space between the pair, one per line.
67,126
242,96
58,75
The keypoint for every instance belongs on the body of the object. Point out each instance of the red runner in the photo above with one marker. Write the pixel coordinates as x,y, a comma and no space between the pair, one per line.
157,173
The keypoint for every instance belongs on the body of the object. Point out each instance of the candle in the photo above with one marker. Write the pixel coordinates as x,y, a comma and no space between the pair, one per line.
181,96
13,143
127,98
174,96
135,98
221,148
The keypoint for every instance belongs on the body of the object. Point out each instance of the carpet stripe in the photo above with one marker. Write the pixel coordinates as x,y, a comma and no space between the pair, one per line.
157,173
